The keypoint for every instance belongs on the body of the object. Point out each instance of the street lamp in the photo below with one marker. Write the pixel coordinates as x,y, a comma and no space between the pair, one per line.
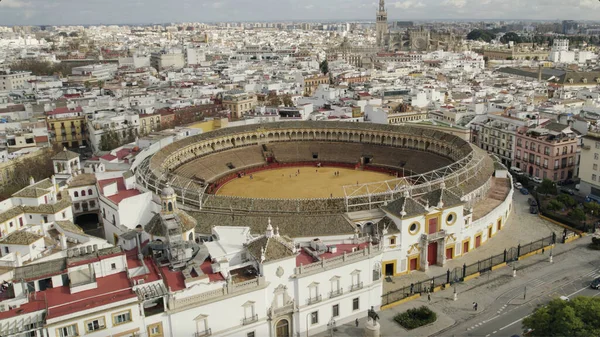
331,326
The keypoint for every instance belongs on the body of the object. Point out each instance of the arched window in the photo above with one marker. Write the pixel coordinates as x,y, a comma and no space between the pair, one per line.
76,194
90,192
170,206
83,193
114,220
191,237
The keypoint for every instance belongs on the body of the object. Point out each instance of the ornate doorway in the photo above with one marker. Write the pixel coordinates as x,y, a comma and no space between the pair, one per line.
282,329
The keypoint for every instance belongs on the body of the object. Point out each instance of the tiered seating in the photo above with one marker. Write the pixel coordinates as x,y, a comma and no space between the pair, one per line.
214,165
425,162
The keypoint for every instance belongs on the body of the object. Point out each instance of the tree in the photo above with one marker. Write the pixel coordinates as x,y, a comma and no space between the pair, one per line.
511,36
273,99
555,205
324,67
110,140
480,34
73,34
41,68
287,100
579,317
592,207
40,167
547,187
87,84
577,214
566,199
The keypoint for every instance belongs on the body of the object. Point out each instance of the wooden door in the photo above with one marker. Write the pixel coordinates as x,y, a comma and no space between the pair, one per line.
449,253
489,232
413,264
499,225
477,241
466,247
432,253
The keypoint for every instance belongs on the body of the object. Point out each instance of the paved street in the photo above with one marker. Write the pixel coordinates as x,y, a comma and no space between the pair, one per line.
503,300
569,275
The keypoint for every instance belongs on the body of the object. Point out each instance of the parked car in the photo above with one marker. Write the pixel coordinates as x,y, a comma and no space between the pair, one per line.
524,191
567,191
518,186
564,298
537,180
595,283
532,202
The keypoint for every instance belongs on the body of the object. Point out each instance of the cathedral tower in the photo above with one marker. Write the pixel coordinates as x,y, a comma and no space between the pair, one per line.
381,26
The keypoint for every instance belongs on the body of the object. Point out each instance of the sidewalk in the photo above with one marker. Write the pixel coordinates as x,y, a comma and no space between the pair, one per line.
521,227
485,290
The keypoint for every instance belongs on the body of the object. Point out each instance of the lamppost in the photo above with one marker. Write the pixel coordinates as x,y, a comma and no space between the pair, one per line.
331,326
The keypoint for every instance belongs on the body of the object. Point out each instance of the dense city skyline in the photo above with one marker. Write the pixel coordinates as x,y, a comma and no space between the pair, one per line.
64,12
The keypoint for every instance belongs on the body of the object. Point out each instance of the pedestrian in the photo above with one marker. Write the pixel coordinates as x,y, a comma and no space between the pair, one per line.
356,322
429,297
476,305
412,288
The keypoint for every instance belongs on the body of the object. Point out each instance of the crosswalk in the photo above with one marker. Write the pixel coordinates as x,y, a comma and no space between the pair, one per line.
592,274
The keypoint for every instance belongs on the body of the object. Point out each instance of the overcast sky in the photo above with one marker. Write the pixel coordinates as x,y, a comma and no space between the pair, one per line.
36,12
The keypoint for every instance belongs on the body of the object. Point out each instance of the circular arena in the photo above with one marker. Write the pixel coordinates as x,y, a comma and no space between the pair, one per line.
314,167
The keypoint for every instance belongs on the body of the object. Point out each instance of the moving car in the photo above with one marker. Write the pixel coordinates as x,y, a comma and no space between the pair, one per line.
595,284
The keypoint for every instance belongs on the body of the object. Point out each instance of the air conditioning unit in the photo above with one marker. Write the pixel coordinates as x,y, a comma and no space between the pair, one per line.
140,281
354,249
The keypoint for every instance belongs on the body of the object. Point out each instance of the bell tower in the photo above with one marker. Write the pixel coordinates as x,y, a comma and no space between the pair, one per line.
381,25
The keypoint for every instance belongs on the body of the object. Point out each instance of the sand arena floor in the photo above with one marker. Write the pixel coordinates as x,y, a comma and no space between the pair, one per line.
311,182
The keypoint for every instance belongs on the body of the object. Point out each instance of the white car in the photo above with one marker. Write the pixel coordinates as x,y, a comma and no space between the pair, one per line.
518,186
537,180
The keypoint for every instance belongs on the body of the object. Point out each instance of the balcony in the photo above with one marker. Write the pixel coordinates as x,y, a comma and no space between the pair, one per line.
249,320
314,300
284,309
356,287
207,332
434,236
336,293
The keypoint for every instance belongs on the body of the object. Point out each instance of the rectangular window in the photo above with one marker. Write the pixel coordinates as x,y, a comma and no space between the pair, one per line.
122,318
95,325
355,304
595,167
314,317
593,177
67,331
595,156
335,310
251,334
392,241
113,266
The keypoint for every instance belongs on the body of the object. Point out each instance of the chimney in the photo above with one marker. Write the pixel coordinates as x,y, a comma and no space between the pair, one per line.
95,248
19,259
70,253
63,242
89,249
540,73
31,181
75,252
54,183
81,251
